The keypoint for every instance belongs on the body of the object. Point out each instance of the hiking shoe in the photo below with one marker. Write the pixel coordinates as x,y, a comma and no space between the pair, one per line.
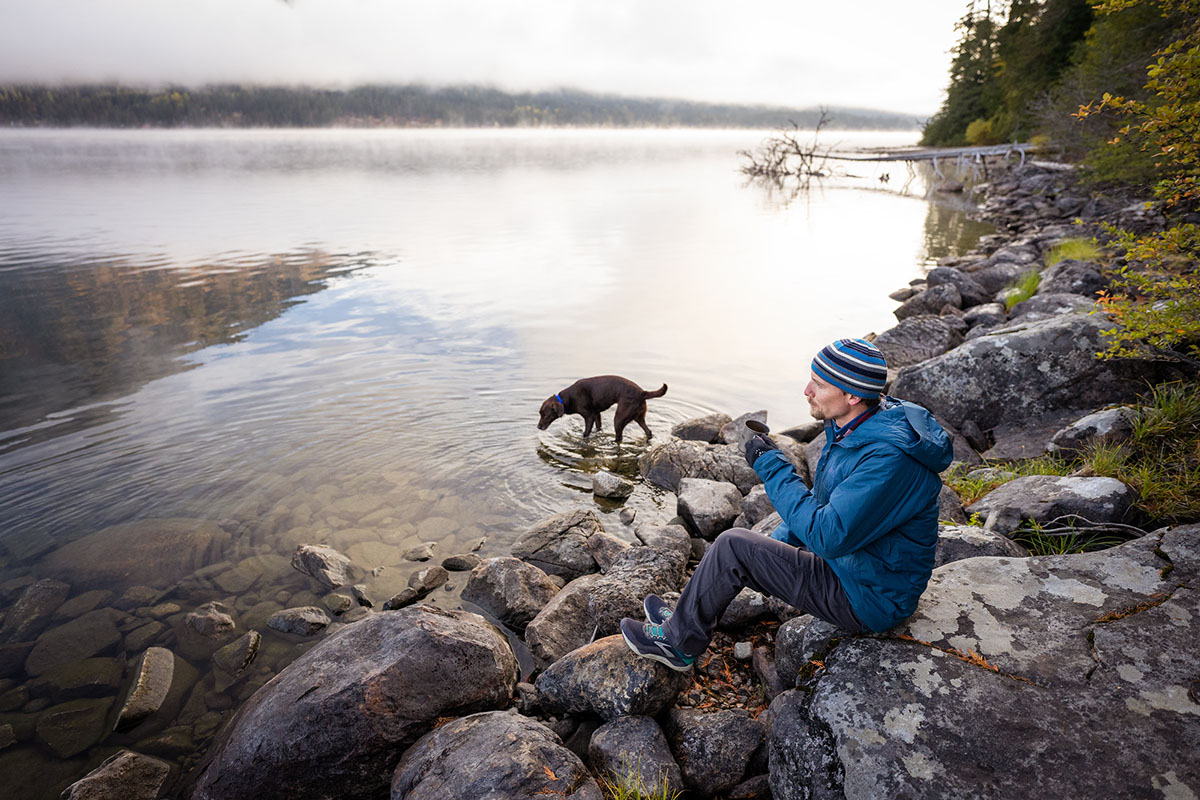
649,641
657,610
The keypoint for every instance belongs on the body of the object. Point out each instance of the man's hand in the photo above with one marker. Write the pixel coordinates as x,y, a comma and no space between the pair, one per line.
757,445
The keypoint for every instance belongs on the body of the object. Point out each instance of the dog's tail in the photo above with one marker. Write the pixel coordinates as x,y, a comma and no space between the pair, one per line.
659,393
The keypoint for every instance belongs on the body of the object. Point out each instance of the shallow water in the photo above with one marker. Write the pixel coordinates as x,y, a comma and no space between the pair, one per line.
344,337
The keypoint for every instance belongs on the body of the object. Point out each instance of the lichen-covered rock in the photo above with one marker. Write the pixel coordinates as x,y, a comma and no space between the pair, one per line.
664,465
916,339
708,507
1043,305
1042,498
510,590
1062,676
492,754
558,545
334,721
1022,371
713,748
702,429
605,678
329,567
632,752
123,776
956,542
1107,426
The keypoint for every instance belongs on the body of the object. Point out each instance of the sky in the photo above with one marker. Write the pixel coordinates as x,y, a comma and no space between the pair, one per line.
878,54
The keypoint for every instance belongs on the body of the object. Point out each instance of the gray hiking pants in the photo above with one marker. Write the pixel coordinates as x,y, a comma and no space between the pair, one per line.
740,558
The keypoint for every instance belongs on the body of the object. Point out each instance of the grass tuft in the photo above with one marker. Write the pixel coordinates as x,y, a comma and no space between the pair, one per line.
630,784
1025,287
1079,249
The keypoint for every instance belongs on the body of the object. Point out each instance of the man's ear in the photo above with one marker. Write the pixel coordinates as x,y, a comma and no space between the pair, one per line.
853,399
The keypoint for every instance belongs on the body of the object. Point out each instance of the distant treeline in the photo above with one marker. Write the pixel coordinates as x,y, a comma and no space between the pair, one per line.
394,106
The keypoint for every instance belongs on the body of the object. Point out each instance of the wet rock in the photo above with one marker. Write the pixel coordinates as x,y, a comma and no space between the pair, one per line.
400,599
91,677
606,484
1071,276
302,621
359,592
605,678
143,636
33,610
1009,654
151,552
510,590
632,752
713,748
702,429
72,727
664,465
93,634
1043,305
8,736
338,603
462,563
205,630
558,545
491,754
755,506
1004,377
424,581
329,567
81,604
956,542
916,339
12,658
422,552
708,507
930,301
234,657
594,605
153,675
123,776
1108,426
1042,498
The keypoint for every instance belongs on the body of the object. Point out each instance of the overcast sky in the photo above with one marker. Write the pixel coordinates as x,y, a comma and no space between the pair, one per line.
869,53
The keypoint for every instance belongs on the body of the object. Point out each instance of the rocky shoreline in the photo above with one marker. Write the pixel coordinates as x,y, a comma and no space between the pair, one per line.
1068,676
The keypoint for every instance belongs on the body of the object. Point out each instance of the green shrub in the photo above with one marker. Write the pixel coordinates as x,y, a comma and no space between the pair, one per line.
1078,249
1025,287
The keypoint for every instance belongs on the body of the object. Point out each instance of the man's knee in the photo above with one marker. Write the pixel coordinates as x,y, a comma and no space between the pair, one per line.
736,541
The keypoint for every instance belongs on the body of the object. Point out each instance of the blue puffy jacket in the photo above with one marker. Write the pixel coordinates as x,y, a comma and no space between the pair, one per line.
872,513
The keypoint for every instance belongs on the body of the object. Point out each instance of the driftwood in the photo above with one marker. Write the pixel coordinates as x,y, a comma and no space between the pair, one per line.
783,157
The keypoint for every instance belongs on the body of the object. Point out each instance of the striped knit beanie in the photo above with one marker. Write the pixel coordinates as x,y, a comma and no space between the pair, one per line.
852,365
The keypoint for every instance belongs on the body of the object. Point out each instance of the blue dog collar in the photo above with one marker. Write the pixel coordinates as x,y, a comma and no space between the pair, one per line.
559,399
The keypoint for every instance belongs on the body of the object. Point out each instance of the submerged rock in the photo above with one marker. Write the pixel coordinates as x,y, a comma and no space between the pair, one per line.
152,677
302,621
493,754
335,720
33,610
606,484
329,567
123,776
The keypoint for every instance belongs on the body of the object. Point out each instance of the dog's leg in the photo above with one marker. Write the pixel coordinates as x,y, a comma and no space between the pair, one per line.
641,420
587,426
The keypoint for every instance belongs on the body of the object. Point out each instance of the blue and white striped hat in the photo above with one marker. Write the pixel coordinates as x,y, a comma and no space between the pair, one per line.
852,365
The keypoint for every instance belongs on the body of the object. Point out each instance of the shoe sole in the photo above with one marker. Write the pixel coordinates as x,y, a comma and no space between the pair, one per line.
654,656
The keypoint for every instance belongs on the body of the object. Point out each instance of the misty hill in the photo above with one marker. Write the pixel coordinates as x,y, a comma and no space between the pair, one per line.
396,106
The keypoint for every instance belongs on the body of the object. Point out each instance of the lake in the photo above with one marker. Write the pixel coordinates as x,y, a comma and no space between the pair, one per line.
216,345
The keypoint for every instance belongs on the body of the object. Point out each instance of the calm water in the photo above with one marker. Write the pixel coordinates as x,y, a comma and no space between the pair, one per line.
344,337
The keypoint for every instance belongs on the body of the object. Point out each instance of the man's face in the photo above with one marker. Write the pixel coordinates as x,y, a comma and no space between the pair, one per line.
826,401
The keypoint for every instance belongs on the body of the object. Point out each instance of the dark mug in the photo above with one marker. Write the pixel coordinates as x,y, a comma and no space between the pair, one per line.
757,427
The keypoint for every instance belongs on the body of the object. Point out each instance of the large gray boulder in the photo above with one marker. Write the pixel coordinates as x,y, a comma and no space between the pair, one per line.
702,429
972,291
607,679
558,545
1074,277
930,301
1045,304
632,752
916,339
1042,498
1107,426
958,542
713,748
664,465
510,590
493,754
1060,676
1021,371
335,721
594,605
708,507
755,506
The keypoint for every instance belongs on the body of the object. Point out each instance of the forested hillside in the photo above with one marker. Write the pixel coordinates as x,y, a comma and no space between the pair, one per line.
398,106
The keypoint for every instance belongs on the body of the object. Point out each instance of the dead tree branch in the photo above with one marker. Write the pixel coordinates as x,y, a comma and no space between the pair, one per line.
783,157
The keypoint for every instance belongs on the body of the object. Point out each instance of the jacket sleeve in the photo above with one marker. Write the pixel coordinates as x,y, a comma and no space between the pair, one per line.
870,502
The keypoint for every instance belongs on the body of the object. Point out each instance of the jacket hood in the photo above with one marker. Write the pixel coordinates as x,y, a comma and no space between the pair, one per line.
911,429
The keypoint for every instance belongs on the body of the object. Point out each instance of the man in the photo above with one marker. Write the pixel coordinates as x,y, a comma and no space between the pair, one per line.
856,550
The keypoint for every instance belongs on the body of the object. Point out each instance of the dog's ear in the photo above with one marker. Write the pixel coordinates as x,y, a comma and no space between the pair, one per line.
551,410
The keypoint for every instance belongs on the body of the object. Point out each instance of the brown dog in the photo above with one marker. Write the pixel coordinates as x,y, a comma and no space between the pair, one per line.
589,396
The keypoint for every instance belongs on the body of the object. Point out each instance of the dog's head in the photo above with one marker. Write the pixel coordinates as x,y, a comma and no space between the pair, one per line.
551,410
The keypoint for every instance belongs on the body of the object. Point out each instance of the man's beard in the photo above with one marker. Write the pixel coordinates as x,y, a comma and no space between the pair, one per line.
815,412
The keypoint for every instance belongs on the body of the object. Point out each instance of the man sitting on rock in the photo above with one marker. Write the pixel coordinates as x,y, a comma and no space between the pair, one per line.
856,550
